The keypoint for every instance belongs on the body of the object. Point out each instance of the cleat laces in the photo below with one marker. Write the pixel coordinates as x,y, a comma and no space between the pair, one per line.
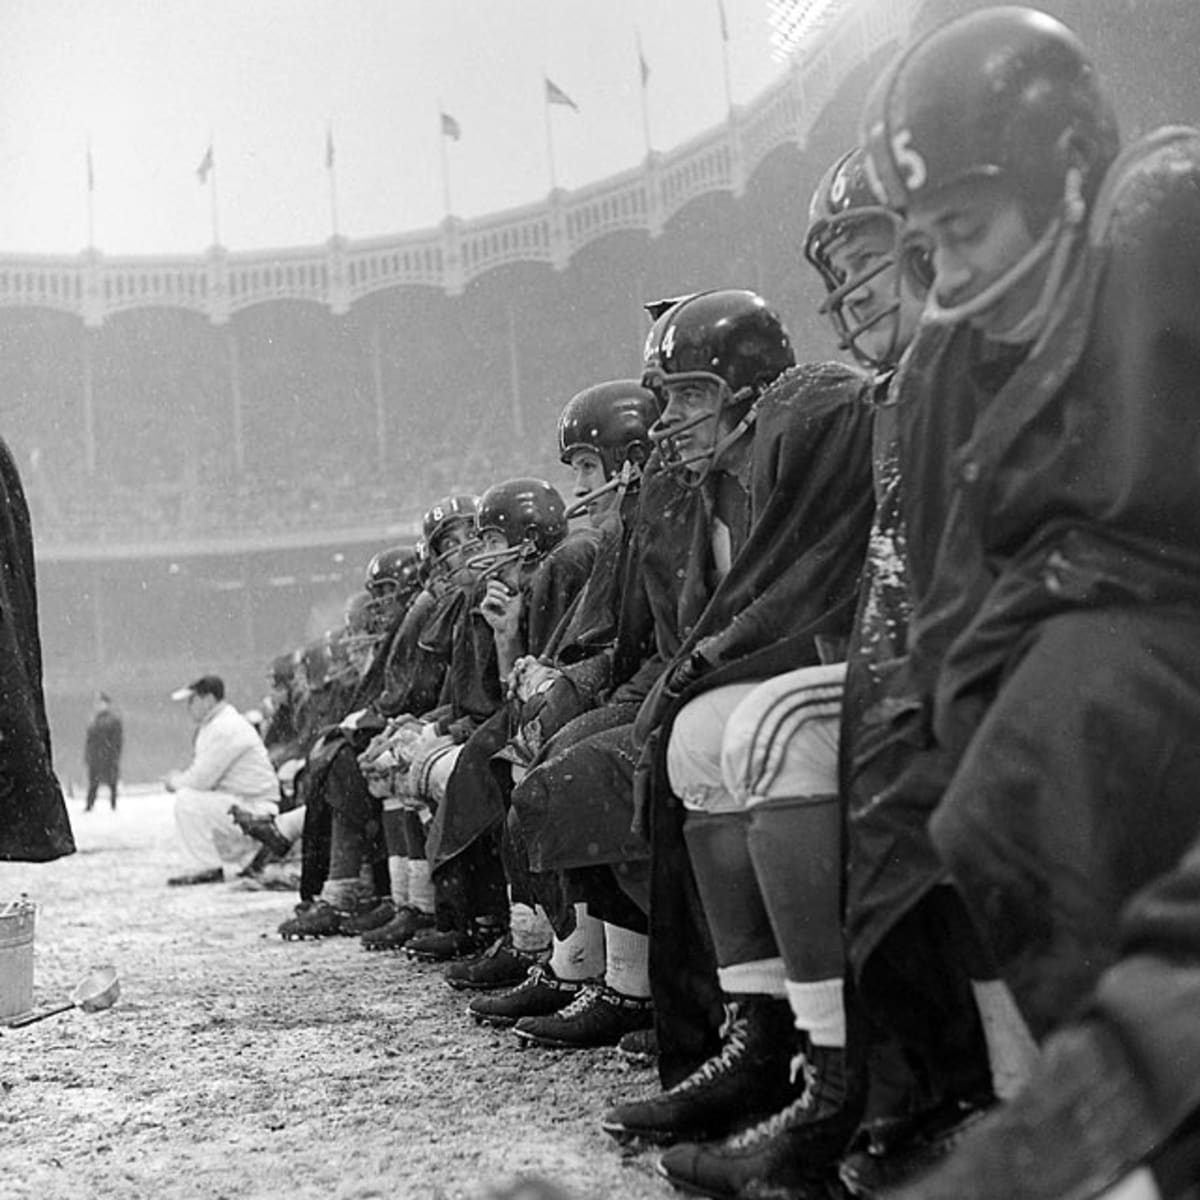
713,1068
591,995
775,1124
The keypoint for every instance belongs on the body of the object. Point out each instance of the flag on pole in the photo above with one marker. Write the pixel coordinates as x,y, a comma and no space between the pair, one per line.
206,165
450,127
555,95
329,152
642,63
91,174
724,23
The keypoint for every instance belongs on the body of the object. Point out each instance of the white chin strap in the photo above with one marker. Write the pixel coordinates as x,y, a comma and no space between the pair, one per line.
620,483
1055,244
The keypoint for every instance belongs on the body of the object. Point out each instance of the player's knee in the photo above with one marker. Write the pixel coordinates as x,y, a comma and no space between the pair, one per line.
693,765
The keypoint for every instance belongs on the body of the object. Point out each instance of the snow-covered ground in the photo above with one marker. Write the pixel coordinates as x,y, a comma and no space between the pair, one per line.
239,1065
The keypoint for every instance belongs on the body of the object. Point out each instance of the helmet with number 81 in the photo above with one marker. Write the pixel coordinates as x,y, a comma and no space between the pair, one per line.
448,531
611,421
708,358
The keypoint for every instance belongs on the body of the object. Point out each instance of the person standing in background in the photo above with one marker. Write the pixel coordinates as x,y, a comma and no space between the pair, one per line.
102,751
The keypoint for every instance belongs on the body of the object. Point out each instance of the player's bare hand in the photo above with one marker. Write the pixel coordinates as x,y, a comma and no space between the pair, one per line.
501,608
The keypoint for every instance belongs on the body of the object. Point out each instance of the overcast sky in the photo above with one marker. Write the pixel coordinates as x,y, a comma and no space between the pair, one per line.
149,80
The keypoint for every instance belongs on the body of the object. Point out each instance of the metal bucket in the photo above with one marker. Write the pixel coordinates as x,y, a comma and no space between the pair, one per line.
16,959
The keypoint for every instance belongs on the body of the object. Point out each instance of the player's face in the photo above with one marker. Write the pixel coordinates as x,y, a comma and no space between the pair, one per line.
587,474
978,232
492,541
458,543
858,253
684,402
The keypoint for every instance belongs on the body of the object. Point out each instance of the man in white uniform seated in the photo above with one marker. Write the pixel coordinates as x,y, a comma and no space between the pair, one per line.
229,766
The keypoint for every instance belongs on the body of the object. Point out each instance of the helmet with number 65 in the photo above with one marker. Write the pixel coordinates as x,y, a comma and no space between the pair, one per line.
864,300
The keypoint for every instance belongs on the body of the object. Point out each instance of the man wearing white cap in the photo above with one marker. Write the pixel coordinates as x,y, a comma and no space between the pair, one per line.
229,766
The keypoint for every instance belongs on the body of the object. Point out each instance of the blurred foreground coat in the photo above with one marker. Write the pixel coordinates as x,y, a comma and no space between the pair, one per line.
33,817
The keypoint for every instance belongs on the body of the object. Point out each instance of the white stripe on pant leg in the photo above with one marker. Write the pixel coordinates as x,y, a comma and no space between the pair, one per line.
783,739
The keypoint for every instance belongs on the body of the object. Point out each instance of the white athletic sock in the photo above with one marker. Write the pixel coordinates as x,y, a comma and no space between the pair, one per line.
420,885
581,955
1011,1048
626,958
530,930
819,1009
398,876
763,977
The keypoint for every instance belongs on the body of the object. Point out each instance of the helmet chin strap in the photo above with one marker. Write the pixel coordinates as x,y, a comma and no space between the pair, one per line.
1055,244
706,459
620,483
490,563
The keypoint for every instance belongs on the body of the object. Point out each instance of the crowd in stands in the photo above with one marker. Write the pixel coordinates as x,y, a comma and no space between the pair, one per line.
835,745
322,488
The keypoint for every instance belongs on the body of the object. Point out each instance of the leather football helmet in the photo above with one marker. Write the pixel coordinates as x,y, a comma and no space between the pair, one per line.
613,421
530,515
439,518
730,337
1005,93
843,199
393,578
394,570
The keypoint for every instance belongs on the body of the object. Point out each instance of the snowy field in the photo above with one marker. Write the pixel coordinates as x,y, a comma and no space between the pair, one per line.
237,1065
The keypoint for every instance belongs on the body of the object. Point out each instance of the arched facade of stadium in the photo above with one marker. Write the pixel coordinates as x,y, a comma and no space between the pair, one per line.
214,445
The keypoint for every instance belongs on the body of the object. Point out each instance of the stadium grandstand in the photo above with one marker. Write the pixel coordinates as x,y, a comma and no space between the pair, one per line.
213,446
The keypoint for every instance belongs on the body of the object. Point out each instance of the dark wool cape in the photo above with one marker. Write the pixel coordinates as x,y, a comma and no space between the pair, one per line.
33,815
475,801
793,581
1056,632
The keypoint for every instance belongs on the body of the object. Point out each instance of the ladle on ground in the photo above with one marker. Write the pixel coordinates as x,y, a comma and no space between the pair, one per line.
95,992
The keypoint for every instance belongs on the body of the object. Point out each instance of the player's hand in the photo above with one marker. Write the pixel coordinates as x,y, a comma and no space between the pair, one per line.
501,608
538,678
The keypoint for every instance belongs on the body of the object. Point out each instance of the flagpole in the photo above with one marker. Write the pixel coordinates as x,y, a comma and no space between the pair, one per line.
331,164
91,205
643,74
212,194
725,56
549,136
445,159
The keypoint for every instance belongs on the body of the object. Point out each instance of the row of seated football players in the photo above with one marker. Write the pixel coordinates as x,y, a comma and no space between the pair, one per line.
633,795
